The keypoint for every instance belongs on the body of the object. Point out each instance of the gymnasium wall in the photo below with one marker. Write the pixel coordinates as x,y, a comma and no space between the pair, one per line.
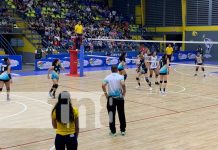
210,49
161,13
126,7
28,51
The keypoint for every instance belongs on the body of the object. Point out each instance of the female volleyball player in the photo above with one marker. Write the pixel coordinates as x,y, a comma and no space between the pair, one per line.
65,119
199,61
143,70
5,76
121,66
154,67
56,67
164,68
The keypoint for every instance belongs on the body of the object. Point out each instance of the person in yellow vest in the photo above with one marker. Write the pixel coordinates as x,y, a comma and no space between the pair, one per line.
169,52
65,119
79,32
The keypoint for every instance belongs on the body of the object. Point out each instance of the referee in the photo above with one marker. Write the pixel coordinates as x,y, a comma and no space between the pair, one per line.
169,52
115,99
78,29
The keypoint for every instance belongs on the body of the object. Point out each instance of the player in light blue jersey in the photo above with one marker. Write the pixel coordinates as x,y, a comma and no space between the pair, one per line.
55,69
164,69
5,76
122,64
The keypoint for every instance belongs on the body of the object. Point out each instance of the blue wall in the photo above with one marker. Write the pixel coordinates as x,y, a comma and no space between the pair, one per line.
95,59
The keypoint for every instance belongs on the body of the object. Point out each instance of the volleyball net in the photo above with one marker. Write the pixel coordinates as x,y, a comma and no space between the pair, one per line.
106,52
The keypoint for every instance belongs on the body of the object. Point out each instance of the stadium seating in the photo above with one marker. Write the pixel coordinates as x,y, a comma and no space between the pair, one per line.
55,21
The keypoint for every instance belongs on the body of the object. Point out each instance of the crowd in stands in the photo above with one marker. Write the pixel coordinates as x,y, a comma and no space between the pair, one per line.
54,20
7,23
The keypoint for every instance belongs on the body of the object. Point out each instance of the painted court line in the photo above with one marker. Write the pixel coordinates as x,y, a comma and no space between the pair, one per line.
33,99
133,121
158,116
175,69
24,109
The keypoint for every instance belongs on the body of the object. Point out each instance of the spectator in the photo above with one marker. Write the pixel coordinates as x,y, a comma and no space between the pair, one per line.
66,123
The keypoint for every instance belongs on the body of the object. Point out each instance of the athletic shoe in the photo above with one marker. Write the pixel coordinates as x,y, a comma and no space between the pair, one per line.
137,87
123,133
160,91
112,134
50,94
53,95
164,93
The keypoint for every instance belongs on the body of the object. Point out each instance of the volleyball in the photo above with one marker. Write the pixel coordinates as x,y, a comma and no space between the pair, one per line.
194,33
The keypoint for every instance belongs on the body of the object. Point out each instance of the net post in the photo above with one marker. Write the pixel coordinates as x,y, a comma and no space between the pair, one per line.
81,61
73,63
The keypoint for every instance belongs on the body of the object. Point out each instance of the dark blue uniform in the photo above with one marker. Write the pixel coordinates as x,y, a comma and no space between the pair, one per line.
142,67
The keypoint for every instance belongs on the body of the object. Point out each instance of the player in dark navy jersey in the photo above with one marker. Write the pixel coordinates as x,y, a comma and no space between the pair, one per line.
142,70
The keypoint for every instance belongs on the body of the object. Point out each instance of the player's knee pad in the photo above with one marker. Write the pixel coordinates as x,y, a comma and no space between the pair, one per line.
161,82
125,76
203,69
196,69
151,75
137,78
53,86
165,81
146,79
156,75
1,89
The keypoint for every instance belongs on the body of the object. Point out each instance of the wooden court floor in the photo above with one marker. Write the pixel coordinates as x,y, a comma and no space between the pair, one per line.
184,119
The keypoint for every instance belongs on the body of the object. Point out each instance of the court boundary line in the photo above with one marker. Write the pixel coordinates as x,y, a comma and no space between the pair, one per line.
24,109
133,121
181,73
139,119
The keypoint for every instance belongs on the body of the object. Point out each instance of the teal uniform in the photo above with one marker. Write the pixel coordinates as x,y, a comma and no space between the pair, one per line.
120,66
56,72
163,67
4,76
